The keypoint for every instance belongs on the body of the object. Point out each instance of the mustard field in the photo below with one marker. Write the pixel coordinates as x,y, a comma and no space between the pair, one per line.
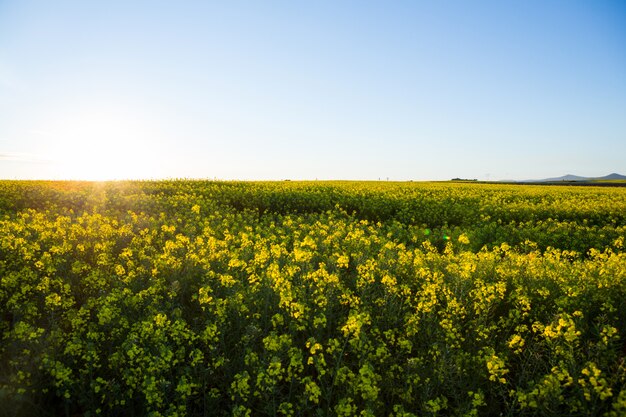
195,298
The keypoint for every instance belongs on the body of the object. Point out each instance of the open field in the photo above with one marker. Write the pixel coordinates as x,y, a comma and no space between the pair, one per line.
311,298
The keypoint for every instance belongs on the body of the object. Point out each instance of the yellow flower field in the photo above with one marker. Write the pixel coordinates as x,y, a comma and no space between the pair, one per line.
175,298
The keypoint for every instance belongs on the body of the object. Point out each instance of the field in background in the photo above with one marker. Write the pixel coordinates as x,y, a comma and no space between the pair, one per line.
311,298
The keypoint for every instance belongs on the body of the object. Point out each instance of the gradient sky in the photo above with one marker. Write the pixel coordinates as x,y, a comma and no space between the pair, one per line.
304,90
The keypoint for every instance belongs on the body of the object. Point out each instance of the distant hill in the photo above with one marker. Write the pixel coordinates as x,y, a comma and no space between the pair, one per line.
611,177
576,178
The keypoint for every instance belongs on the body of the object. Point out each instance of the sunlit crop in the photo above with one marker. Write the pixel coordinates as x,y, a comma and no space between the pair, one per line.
311,298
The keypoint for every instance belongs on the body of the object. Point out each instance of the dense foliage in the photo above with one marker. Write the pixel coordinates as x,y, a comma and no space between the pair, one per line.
311,298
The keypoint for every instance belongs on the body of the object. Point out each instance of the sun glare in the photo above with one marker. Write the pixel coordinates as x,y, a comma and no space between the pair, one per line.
104,145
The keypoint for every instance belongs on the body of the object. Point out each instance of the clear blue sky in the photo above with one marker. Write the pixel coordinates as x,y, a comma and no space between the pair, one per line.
305,90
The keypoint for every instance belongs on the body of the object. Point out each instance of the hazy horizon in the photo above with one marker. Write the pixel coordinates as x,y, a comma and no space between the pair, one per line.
325,90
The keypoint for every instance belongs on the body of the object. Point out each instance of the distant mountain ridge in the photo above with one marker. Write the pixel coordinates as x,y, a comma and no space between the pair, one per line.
575,178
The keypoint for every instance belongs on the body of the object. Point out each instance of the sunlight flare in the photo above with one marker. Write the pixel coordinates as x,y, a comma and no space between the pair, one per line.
104,145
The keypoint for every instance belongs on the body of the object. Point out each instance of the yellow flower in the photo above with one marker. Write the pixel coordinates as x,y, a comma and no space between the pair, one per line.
463,239
160,319
343,261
